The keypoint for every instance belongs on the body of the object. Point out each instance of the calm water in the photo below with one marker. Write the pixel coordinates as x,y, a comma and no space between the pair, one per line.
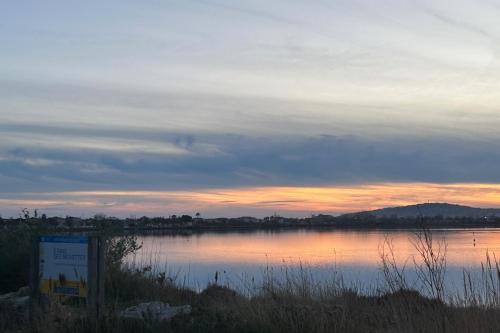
242,258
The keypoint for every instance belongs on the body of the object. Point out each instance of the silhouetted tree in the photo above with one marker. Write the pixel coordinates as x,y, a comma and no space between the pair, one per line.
186,218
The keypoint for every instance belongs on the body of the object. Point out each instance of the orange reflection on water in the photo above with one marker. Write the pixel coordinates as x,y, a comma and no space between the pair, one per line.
332,247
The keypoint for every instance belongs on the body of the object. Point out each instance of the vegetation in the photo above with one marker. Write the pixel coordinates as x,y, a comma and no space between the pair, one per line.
15,250
297,303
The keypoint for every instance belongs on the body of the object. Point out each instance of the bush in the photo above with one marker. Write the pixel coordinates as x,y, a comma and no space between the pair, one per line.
15,253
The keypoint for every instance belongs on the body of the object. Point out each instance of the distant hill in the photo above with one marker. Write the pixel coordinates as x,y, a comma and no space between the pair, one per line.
430,210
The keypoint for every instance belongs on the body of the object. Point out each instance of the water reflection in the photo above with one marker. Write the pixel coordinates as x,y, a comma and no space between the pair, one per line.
355,253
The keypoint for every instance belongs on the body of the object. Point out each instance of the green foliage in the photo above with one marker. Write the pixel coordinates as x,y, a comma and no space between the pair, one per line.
15,251
128,286
118,248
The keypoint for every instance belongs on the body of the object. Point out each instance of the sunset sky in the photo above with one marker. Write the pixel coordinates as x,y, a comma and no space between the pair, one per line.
246,107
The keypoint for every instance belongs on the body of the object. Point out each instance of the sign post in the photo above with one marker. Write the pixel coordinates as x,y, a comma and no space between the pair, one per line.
66,265
95,297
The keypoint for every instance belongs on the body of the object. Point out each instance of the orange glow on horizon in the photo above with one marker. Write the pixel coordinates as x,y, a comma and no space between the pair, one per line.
306,200
336,199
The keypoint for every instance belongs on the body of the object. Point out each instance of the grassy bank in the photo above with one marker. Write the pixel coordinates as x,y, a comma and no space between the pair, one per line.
294,304
289,307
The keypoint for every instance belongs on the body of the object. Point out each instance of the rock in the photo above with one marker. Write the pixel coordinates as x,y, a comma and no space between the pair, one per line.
19,299
21,302
8,296
155,311
24,291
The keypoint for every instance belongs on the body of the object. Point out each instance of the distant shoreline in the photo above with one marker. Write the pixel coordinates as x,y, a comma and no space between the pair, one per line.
188,224
429,215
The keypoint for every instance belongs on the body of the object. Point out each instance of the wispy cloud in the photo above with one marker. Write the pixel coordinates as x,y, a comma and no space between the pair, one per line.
186,95
135,159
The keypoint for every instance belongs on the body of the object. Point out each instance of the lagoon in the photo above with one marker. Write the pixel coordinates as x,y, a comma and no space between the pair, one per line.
241,259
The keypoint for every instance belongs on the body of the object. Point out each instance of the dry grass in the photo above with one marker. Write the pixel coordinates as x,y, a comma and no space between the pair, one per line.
295,303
